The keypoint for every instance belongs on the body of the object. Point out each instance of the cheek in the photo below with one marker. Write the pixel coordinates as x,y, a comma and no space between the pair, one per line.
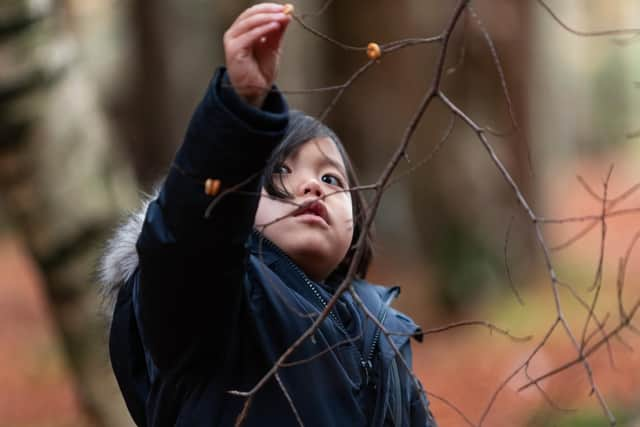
270,214
267,210
347,219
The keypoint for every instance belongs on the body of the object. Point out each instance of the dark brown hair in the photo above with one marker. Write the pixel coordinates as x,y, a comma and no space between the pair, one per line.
303,128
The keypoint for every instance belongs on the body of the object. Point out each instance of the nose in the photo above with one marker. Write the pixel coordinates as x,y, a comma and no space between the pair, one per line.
311,187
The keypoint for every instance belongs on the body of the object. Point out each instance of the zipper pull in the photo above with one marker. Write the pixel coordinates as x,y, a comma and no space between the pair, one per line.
366,367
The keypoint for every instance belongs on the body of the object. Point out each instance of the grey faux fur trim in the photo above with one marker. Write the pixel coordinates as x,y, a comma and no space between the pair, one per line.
120,258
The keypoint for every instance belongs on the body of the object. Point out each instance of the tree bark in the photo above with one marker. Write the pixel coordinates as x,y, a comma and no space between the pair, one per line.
63,185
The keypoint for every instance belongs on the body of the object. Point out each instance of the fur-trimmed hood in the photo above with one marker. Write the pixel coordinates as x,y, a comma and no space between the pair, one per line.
120,257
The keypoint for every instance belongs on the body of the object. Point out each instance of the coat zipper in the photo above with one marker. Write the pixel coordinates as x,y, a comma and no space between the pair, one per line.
366,365
376,337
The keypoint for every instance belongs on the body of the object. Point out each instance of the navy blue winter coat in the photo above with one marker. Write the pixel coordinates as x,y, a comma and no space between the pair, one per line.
209,305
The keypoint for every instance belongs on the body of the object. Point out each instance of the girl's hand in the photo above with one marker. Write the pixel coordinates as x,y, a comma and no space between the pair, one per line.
252,48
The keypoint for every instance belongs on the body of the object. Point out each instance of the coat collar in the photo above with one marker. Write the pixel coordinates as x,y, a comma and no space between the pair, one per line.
375,297
275,258
265,250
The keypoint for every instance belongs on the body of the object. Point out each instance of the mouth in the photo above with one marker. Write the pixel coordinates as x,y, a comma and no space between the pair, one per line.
315,208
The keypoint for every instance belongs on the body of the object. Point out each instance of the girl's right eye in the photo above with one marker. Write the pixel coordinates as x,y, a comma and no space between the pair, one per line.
282,169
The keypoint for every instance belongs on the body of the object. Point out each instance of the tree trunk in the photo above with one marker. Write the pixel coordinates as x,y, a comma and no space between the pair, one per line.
63,185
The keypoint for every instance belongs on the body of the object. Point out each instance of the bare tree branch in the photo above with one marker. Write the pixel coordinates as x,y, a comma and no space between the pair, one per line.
552,274
520,367
583,347
492,328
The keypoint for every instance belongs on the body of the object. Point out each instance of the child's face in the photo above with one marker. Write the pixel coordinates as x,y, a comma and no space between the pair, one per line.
318,235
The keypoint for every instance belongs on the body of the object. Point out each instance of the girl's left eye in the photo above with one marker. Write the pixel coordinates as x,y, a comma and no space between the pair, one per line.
332,180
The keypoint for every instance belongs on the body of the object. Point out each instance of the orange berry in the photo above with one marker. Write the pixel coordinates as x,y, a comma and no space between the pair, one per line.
211,186
288,9
373,50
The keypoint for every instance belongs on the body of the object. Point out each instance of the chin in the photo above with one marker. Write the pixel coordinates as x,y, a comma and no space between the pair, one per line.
310,245
314,254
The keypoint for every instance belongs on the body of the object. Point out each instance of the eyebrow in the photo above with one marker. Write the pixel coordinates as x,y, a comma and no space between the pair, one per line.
335,164
330,161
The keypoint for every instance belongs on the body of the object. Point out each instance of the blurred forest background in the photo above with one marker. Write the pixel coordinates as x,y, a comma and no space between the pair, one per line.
95,96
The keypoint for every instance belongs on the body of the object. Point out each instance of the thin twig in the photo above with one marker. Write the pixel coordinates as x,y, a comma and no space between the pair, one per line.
597,282
318,12
416,382
288,397
226,192
583,232
506,263
401,44
545,395
621,275
515,127
515,372
594,219
547,256
326,37
350,340
425,160
360,71
242,416
462,53
615,200
588,352
452,406
598,217
488,325
498,66
585,305
588,188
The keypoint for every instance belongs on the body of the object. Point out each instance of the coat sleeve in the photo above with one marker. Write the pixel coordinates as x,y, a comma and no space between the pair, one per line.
188,288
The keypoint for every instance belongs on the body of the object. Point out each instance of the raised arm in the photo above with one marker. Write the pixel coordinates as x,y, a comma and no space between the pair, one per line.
188,290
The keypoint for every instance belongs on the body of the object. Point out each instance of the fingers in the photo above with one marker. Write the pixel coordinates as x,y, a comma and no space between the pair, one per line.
248,39
256,20
272,39
262,8
254,16
252,48
253,25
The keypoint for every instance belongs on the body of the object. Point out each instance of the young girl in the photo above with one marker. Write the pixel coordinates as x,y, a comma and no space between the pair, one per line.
207,303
